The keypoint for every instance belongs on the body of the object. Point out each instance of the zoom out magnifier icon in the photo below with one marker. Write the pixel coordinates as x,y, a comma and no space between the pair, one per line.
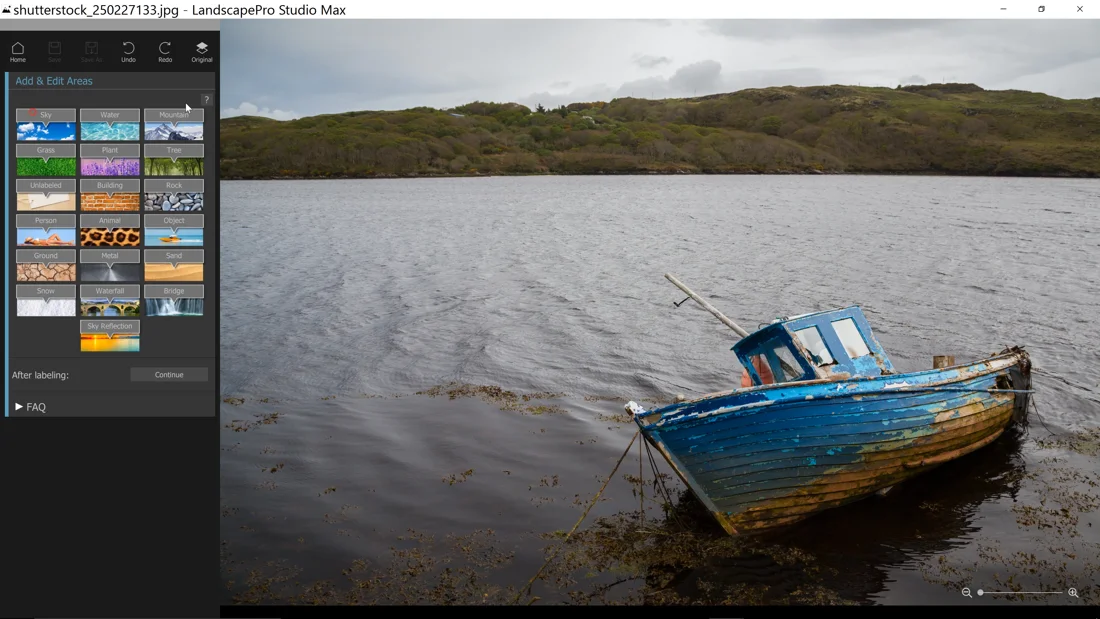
966,592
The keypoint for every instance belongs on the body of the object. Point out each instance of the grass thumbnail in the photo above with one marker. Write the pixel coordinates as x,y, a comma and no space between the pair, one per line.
55,166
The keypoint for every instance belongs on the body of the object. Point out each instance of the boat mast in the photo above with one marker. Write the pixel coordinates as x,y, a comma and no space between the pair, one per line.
707,306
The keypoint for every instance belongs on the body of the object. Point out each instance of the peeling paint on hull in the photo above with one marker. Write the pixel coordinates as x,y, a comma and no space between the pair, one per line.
760,458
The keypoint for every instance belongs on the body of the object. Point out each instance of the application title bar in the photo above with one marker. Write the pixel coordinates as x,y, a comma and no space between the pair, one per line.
509,9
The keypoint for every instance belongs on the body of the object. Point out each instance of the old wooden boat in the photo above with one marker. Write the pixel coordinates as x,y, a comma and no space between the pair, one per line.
827,420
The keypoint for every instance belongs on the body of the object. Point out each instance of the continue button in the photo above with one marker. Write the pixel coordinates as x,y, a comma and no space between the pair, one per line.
169,375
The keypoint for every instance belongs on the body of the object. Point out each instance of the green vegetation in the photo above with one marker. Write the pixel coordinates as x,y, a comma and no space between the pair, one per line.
163,166
55,166
935,129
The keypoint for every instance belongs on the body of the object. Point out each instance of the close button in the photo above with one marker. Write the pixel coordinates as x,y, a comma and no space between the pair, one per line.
169,375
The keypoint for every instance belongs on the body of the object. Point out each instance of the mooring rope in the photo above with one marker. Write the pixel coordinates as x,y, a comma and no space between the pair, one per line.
659,482
595,499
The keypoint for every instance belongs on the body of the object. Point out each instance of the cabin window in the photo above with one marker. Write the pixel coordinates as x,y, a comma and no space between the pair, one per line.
791,369
763,369
849,336
811,339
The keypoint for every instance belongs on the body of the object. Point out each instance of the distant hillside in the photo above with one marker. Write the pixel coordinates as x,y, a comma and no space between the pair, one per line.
935,129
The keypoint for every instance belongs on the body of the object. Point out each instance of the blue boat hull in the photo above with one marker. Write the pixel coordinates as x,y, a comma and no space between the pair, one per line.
770,456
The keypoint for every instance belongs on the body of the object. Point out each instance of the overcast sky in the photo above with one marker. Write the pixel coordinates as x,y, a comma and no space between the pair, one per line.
292,68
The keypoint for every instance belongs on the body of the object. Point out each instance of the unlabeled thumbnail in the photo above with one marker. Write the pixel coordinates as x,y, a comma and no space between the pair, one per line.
101,342
43,132
110,202
45,202
101,166
54,166
165,237
173,307
155,272
173,202
42,272
182,132
95,272
110,307
34,237
164,166
106,237
42,307
113,132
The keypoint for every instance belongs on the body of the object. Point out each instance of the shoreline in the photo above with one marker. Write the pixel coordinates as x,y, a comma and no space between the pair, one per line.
652,173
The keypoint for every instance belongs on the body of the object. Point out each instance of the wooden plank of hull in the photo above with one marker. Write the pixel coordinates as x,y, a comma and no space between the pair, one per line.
752,480
856,446
809,457
733,495
789,394
799,509
809,416
868,436
776,480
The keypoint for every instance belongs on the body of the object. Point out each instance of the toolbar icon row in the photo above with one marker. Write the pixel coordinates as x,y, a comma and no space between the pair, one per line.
91,48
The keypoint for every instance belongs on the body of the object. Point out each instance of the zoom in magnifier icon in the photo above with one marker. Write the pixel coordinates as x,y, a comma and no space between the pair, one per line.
966,593
166,48
1073,593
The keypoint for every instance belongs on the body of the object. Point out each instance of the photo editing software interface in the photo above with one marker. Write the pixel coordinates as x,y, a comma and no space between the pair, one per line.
111,316
447,370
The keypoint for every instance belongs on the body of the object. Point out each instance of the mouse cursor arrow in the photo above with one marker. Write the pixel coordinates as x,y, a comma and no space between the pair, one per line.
186,107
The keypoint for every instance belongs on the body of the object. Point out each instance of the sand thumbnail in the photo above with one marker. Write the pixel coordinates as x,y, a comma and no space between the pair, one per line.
168,273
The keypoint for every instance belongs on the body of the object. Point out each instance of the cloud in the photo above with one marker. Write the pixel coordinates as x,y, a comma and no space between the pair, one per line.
338,66
782,29
912,79
648,62
251,109
26,127
698,76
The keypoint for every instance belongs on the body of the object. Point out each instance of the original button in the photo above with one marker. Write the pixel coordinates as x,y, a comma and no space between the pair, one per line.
169,375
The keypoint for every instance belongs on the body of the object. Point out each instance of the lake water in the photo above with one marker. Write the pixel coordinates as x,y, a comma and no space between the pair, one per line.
341,295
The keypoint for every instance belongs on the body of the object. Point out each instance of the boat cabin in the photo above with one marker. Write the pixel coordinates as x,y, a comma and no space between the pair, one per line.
824,345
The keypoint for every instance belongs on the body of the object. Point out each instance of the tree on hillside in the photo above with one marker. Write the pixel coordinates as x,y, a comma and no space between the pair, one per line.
540,109
771,124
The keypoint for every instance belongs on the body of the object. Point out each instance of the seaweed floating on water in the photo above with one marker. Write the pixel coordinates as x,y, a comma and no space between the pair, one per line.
491,394
261,419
